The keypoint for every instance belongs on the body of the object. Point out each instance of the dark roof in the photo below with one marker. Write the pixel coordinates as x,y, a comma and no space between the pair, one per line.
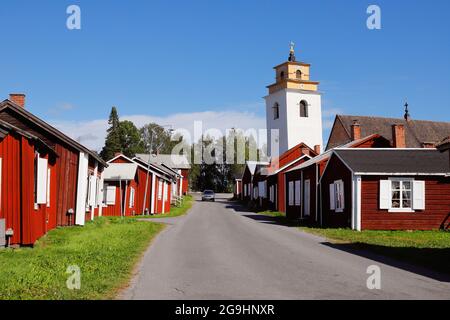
6,128
7,104
395,160
417,132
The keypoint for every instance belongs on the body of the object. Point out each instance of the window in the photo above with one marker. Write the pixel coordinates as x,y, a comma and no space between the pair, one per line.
40,180
132,197
276,111
297,193
110,195
291,193
337,200
402,195
262,189
298,74
281,75
303,109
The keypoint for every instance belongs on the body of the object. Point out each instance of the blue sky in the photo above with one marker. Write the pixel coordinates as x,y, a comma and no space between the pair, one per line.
160,59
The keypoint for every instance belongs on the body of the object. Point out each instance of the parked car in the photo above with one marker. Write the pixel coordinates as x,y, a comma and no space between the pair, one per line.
208,195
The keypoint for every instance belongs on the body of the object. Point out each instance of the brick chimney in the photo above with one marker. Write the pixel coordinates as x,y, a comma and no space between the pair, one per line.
317,149
398,136
356,130
18,98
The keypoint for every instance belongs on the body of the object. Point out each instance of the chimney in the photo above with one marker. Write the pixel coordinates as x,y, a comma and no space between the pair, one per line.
317,149
398,136
356,130
116,154
18,98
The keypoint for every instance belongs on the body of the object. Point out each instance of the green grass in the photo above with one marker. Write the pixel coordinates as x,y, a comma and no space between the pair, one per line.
427,248
105,250
275,214
174,211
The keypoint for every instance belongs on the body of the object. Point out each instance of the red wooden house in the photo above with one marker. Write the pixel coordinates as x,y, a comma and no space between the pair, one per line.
386,189
177,164
45,175
302,181
272,177
134,188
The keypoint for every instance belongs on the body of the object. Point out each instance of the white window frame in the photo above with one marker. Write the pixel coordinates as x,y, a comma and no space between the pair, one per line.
111,192
41,181
414,184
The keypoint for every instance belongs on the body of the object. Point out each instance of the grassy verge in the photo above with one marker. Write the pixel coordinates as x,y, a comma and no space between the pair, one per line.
275,214
105,250
174,211
427,248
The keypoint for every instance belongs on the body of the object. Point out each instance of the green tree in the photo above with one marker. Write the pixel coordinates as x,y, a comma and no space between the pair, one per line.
162,141
112,141
130,139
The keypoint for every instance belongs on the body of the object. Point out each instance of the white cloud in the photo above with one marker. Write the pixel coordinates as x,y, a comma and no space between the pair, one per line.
91,133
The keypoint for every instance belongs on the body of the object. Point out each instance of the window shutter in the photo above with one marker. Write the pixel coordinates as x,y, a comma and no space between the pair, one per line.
297,193
110,195
92,190
291,193
385,194
48,187
332,199
131,197
419,195
307,198
341,195
41,190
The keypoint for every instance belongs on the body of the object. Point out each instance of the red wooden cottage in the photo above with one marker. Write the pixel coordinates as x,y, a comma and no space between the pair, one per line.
386,189
302,181
47,179
134,188
179,164
269,180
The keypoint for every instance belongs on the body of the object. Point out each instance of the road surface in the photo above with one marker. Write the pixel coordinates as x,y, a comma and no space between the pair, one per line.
220,251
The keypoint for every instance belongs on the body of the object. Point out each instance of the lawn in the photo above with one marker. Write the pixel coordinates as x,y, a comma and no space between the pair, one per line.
427,248
105,250
174,211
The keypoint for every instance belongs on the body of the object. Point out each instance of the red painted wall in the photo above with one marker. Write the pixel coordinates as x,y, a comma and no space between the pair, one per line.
437,207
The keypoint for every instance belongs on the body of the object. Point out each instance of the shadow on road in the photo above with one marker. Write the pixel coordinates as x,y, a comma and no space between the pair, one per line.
433,263
428,262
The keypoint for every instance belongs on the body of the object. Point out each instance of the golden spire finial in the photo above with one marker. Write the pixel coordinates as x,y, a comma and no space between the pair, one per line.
291,51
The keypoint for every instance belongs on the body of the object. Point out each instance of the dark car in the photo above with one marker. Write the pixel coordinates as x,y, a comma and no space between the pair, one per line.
208,195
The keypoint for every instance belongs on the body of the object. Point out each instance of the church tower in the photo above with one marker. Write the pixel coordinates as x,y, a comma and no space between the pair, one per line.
293,106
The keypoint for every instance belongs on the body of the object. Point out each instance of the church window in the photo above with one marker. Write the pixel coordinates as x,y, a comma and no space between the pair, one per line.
282,75
298,74
276,111
303,109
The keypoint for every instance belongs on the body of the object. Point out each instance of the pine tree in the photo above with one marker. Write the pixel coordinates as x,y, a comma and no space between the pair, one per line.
112,141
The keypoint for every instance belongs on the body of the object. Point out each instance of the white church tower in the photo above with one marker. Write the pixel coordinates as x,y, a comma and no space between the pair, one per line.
294,107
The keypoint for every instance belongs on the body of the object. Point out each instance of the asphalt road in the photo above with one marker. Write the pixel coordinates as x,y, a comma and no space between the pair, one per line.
221,251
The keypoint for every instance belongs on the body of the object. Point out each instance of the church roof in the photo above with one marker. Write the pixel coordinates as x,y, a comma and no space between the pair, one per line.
417,132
